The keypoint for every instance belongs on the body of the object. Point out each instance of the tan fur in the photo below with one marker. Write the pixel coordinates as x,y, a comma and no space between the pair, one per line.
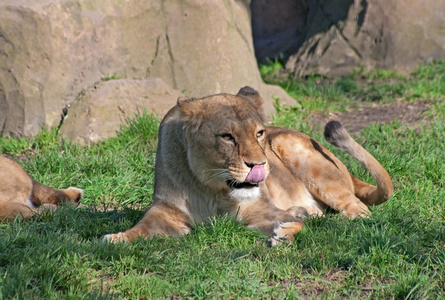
207,148
22,195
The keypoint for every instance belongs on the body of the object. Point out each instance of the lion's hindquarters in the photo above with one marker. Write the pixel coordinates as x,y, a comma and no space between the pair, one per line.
11,209
22,195
323,175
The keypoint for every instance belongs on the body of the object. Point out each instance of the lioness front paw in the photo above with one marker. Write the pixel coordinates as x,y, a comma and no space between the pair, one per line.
284,232
114,238
275,241
298,211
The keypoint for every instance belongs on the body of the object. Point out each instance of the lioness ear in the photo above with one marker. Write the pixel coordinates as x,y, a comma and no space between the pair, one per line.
189,106
192,112
254,98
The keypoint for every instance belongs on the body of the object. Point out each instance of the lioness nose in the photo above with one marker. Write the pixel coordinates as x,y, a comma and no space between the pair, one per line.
253,164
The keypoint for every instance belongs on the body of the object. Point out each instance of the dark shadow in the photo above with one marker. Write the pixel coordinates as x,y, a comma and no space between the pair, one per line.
361,15
280,28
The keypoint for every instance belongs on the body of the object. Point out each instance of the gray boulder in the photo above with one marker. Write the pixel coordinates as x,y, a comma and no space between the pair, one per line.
53,50
336,37
99,112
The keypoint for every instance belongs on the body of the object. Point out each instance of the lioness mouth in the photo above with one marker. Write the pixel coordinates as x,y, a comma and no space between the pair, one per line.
241,185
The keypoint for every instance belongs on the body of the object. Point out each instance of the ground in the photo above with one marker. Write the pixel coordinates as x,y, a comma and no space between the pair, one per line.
355,120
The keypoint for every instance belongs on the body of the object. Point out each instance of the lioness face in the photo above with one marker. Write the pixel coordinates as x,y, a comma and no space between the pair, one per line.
227,148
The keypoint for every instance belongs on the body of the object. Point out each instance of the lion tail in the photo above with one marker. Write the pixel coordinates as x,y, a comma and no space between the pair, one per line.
337,135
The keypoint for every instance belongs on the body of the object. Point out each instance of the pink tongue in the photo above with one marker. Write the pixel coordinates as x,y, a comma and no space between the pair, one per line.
256,174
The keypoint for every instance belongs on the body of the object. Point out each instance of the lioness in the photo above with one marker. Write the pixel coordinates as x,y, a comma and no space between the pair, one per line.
22,195
215,156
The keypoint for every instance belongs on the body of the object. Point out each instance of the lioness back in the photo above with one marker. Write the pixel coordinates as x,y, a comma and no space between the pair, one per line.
215,156
22,195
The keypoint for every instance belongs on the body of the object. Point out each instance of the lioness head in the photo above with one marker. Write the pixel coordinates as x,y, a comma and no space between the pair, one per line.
225,138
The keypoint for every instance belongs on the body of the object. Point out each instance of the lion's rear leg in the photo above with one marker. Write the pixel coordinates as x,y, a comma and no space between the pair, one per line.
160,220
10,210
335,196
367,193
326,178
344,201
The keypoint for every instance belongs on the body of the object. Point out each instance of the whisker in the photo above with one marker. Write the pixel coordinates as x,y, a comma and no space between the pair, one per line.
213,170
232,183
218,174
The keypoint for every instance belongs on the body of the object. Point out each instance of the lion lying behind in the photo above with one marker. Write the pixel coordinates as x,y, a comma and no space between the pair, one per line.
22,195
215,156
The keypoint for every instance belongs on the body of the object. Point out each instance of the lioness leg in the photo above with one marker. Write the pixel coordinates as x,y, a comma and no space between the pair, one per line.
161,219
344,201
272,221
326,177
10,210
298,211
42,194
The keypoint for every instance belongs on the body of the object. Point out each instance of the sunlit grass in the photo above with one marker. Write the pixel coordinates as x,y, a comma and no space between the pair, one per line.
318,94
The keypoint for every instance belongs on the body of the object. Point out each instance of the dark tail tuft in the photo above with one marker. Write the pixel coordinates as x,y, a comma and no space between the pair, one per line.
335,133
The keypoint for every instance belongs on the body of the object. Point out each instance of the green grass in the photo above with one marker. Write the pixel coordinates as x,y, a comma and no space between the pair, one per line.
398,253
318,94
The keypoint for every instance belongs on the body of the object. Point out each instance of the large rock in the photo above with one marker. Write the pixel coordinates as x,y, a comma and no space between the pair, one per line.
99,111
335,37
52,50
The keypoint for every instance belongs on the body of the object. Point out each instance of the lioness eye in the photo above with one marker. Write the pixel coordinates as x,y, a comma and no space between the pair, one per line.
259,133
228,137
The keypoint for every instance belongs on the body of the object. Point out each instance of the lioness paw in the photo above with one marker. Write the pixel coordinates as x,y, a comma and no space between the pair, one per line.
284,232
75,194
114,238
298,211
359,211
